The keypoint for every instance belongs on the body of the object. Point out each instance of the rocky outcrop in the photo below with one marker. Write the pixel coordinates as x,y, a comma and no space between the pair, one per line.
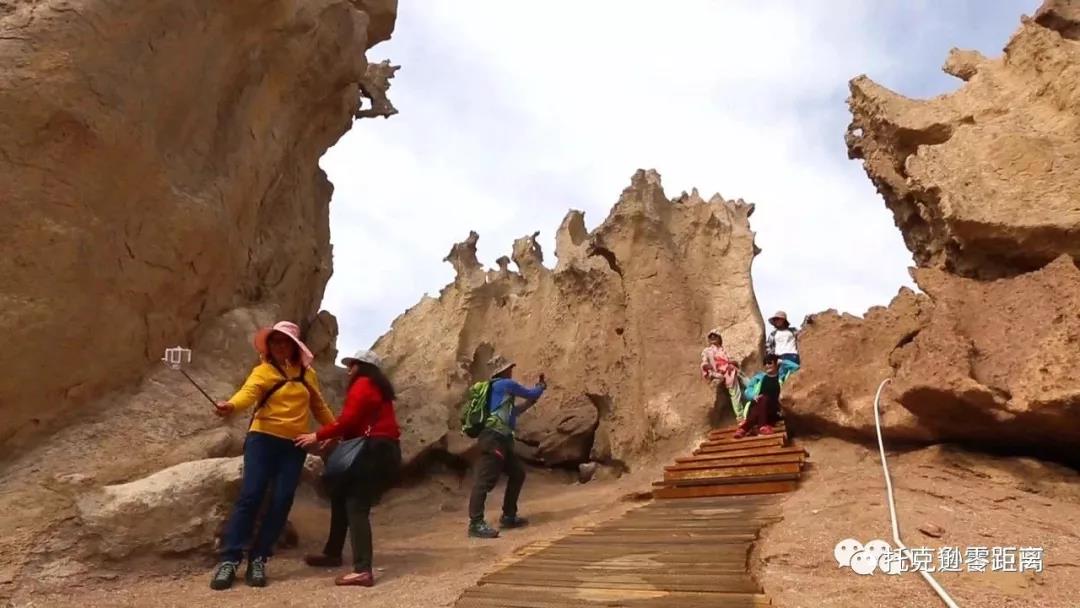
982,182
619,380
986,363
172,511
159,166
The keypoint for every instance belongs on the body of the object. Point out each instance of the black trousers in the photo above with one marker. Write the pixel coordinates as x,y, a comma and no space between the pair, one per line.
496,457
350,505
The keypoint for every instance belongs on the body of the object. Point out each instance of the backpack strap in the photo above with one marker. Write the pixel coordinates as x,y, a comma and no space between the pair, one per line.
277,385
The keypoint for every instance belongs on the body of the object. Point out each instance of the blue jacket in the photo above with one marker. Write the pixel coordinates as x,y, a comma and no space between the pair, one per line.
504,413
753,387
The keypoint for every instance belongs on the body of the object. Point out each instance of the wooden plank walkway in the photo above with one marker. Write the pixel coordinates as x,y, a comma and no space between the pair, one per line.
689,549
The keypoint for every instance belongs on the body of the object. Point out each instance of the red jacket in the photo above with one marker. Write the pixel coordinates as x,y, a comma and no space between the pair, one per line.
365,414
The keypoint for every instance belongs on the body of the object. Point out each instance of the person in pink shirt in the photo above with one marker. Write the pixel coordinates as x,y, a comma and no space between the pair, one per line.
719,369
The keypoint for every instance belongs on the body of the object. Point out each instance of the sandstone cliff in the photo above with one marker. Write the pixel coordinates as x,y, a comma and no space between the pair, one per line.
982,183
159,166
618,326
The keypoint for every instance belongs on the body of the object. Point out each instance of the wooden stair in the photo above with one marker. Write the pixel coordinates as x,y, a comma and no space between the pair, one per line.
725,466
665,554
687,551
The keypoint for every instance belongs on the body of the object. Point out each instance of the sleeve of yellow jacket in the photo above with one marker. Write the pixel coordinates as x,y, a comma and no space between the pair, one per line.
263,377
258,382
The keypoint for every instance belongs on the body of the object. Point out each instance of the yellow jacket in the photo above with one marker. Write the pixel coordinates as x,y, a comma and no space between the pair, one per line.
287,413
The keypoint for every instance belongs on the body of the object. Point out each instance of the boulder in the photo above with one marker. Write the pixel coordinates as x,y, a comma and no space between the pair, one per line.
173,511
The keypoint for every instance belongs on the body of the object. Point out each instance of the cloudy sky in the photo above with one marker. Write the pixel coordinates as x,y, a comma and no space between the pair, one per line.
511,113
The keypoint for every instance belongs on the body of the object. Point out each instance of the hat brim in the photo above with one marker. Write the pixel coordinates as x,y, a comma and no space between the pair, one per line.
262,338
503,368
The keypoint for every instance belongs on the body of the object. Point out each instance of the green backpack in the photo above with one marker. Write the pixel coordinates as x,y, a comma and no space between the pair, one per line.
475,411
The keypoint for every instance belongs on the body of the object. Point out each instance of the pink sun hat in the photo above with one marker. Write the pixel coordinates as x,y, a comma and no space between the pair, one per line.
286,328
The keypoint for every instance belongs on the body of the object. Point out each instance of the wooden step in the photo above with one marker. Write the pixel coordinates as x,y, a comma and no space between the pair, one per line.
738,461
720,481
749,471
765,451
668,581
743,444
731,440
730,430
765,487
496,595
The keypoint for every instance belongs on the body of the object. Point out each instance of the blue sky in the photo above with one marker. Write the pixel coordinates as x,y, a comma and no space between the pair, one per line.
511,113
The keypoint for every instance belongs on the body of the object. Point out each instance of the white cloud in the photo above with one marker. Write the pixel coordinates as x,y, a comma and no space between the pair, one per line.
512,113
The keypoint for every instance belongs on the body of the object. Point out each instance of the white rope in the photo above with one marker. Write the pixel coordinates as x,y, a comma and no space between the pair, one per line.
892,504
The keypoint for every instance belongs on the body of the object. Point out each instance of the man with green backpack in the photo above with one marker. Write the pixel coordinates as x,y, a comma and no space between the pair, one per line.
490,415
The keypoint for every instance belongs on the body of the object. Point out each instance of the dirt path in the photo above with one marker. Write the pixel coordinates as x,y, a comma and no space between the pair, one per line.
423,557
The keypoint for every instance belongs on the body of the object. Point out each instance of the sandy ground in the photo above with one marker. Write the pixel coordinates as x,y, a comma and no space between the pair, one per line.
978,500
423,557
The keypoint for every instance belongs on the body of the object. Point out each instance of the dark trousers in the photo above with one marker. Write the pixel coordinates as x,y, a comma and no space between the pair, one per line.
791,357
496,456
270,463
762,411
351,502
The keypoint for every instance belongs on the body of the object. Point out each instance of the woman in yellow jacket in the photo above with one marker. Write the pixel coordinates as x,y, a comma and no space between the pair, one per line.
284,392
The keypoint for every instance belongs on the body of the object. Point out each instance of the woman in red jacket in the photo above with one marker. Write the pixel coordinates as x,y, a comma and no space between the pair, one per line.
369,413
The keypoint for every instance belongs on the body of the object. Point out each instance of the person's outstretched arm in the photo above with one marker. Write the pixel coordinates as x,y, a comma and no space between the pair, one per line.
529,394
258,382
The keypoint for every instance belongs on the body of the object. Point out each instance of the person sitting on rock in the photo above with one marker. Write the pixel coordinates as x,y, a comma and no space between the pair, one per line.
763,394
496,444
783,339
720,370
369,413
284,391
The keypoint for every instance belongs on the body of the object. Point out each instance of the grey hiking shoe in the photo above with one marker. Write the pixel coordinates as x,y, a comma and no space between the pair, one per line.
512,521
480,529
256,572
224,575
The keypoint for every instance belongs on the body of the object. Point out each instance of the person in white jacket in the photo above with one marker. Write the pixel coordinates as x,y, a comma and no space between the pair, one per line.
783,340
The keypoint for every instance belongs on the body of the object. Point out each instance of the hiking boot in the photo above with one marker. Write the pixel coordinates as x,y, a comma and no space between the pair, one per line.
480,529
512,521
322,560
356,579
224,575
256,572
765,430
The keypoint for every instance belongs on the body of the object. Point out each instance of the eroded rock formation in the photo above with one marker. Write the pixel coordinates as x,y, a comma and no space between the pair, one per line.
983,185
982,182
159,166
617,326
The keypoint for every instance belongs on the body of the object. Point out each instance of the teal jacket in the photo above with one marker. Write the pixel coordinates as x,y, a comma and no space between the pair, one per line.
753,387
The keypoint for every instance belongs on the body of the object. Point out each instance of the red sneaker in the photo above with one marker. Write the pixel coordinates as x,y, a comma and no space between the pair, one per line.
740,433
766,430
357,579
